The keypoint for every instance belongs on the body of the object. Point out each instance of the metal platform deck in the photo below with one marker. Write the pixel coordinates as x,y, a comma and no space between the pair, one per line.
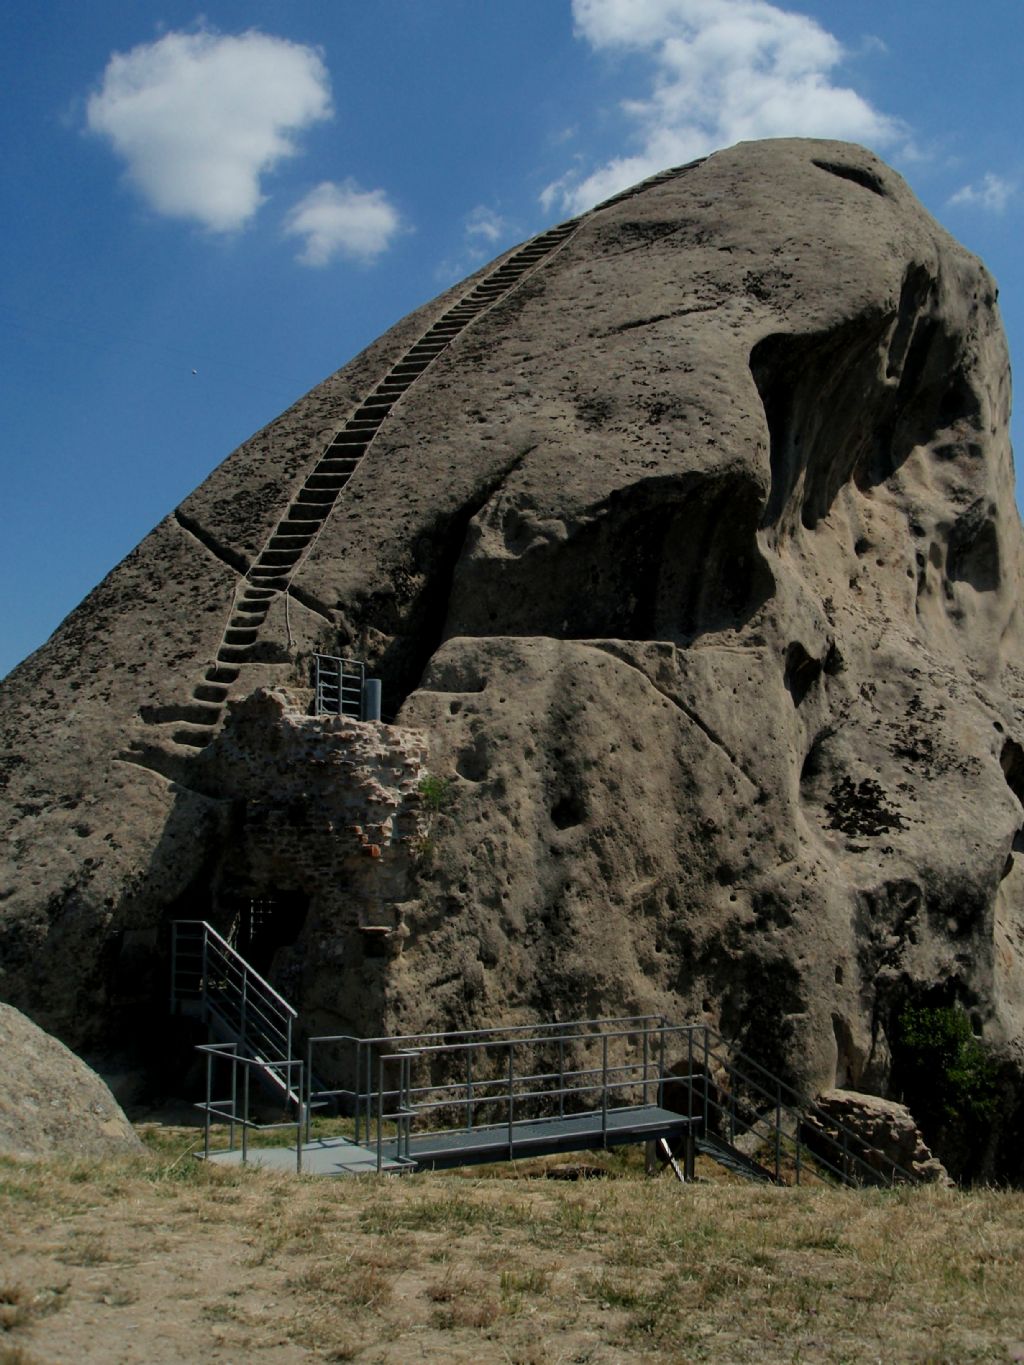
332,1156
589,1131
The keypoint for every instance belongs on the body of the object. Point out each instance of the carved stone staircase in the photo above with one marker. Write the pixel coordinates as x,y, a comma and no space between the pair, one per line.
186,729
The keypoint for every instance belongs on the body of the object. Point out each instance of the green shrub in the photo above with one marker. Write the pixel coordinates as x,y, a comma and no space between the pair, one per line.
436,792
949,1079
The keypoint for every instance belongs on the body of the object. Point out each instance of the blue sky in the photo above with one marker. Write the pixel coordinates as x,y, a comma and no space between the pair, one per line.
207,210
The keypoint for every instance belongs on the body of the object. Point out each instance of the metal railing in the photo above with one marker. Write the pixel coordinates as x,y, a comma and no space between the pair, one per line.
749,1101
339,686
235,1109
234,999
492,1078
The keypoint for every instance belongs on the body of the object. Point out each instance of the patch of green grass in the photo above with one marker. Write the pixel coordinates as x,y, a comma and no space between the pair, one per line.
437,792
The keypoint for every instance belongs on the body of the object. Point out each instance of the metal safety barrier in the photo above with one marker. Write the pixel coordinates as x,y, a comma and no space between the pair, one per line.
415,1094
214,982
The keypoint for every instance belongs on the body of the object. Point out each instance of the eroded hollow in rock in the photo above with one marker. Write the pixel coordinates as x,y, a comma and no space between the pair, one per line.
859,175
973,554
663,559
801,672
834,413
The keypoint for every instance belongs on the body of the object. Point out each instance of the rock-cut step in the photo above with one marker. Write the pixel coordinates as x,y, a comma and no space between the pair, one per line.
241,635
283,559
235,654
200,712
308,510
193,736
217,693
267,576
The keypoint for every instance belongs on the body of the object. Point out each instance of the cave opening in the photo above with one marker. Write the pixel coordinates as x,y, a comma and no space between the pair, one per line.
263,923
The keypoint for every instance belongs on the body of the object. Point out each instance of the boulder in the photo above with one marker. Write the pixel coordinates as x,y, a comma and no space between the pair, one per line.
51,1103
690,548
887,1138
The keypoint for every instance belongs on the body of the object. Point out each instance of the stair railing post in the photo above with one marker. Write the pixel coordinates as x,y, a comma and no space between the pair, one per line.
299,1119
561,1075
209,1098
604,1090
406,1103
646,1059
380,1113
707,1079
369,1087
205,968
245,1108
307,1077
662,1028
689,1076
511,1074
359,1093
244,1008
798,1150
234,1106
469,1089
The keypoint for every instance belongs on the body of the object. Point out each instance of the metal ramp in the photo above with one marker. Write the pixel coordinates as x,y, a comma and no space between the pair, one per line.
439,1101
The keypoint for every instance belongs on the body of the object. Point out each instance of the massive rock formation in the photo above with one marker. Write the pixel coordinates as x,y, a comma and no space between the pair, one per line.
689,545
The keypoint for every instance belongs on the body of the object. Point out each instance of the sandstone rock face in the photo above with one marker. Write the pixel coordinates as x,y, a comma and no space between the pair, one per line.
889,1135
693,556
317,865
51,1103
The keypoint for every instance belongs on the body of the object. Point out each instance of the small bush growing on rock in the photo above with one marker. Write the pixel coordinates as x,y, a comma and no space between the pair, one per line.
950,1081
436,792
950,1064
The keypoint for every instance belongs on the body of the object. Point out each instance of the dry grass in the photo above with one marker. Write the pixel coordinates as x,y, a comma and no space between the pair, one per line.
157,1260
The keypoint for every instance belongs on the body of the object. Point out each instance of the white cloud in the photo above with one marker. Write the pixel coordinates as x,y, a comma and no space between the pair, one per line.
484,222
343,220
484,232
200,117
993,193
722,71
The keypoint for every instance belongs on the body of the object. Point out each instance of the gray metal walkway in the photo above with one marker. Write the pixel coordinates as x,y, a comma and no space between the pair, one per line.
542,1137
451,1148
332,1156
439,1100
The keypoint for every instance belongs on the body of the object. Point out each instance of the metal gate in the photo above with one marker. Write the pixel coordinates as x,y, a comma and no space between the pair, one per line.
339,686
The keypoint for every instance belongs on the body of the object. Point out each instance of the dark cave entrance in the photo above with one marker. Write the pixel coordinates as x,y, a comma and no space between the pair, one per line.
264,922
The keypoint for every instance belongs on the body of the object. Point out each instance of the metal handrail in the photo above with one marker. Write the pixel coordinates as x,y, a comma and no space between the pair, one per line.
802,1108
234,993
333,694
487,1034
372,1097
235,957
228,1109
796,1107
